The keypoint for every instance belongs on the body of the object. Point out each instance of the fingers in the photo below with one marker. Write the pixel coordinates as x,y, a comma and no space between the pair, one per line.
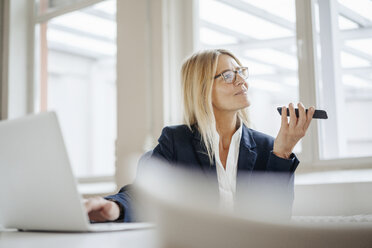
284,117
94,207
100,209
301,115
301,122
96,216
94,203
290,134
292,116
110,211
310,114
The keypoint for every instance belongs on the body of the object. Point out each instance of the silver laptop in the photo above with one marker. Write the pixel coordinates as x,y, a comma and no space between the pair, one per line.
38,190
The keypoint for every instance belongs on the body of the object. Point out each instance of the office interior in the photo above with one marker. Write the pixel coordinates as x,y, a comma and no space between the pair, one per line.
110,69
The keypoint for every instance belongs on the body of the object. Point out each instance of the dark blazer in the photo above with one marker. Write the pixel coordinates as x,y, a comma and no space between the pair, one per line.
183,147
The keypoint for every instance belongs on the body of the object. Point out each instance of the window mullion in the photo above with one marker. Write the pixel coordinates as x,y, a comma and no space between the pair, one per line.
307,73
334,140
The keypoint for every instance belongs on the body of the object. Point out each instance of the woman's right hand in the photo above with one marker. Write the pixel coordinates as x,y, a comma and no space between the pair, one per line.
290,133
100,209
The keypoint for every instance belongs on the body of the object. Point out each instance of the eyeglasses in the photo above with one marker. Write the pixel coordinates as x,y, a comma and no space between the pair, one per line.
230,76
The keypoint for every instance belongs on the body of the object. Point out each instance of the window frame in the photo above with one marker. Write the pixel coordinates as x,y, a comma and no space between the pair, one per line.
175,46
308,83
308,76
33,95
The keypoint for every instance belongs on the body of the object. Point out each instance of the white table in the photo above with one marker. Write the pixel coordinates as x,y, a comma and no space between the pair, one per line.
127,239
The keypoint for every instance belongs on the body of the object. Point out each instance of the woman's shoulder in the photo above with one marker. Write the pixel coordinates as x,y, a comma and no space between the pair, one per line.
178,131
260,137
177,128
173,139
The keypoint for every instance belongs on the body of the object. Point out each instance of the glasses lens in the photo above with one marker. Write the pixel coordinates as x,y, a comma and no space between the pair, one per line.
243,72
229,76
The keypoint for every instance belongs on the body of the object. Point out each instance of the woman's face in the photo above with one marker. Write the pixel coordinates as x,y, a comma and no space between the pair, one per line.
229,96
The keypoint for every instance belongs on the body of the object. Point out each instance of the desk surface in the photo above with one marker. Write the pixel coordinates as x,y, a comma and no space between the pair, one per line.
128,239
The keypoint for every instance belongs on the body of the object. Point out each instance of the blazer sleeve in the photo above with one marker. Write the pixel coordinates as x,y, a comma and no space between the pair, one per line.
284,183
279,171
277,164
126,196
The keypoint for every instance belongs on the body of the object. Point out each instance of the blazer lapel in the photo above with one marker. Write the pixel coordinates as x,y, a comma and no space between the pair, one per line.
202,154
208,169
247,154
246,161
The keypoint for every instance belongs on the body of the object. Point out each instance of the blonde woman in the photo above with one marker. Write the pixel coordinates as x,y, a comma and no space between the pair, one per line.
215,137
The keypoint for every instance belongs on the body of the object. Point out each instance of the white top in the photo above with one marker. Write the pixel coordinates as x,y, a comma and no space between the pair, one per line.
227,178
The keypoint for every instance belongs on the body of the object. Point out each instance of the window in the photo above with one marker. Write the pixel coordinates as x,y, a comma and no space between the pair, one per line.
262,35
76,64
345,78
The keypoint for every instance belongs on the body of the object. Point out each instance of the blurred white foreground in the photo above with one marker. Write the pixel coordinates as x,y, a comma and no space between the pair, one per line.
186,209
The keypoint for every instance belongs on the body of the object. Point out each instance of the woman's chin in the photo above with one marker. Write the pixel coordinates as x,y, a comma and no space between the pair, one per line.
243,105
246,104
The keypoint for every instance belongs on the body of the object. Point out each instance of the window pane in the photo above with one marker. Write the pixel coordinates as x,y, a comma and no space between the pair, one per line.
264,40
345,88
78,55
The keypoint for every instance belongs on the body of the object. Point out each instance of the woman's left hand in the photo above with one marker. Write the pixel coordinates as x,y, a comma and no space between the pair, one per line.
290,133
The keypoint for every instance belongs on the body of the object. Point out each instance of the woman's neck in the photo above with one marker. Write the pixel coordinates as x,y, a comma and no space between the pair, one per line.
226,124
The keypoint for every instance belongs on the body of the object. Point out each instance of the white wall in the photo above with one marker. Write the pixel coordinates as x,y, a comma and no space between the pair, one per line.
149,54
19,52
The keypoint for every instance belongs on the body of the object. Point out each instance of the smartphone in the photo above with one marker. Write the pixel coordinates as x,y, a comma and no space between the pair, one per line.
318,114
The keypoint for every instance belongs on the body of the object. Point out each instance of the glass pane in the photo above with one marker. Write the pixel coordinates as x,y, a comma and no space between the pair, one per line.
347,133
264,40
78,80
363,8
282,8
239,21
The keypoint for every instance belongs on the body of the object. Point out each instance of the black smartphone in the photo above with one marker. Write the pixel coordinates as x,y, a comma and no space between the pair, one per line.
318,114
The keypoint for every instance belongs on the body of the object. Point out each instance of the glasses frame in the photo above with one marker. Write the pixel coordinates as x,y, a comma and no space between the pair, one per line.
238,70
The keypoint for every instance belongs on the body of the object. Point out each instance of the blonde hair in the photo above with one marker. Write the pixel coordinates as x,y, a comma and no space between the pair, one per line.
198,73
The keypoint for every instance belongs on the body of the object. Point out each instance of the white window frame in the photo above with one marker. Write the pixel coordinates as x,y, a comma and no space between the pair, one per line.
18,91
309,76
157,62
16,62
161,54
308,82
45,17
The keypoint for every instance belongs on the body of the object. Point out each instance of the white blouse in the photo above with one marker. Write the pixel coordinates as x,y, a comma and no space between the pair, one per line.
227,178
